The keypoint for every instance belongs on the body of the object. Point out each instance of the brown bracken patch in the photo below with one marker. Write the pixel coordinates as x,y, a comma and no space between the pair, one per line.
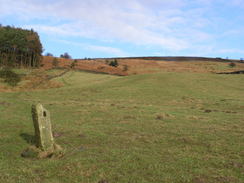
143,66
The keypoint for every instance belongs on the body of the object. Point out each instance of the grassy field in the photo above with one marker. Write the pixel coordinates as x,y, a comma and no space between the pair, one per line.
164,127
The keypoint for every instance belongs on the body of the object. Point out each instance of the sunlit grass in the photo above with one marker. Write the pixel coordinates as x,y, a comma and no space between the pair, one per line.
164,127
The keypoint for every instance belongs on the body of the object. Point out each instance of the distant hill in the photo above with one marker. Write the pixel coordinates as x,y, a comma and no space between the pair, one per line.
179,58
142,65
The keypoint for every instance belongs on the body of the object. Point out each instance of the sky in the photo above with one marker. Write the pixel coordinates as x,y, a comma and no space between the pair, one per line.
124,28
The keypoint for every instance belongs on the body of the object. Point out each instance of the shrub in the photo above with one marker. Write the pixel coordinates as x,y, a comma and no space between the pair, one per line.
232,64
10,77
114,63
65,55
55,62
125,67
73,64
49,54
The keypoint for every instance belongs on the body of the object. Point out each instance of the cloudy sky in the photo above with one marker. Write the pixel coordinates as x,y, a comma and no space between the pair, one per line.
108,28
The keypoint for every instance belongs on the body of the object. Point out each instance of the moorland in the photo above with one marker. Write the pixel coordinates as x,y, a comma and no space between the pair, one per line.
145,120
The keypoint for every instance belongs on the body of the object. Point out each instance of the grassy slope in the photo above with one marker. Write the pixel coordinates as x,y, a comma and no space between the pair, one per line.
142,128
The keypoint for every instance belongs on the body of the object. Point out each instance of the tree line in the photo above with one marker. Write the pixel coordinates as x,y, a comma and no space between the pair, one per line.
19,47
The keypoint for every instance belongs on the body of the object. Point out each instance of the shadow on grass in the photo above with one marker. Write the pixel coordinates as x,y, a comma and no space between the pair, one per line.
235,72
30,139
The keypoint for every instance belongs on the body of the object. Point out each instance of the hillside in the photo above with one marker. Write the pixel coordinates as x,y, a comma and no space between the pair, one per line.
159,127
181,59
142,65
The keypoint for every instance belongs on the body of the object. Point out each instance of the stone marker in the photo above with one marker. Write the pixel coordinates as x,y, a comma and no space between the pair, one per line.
43,129
45,145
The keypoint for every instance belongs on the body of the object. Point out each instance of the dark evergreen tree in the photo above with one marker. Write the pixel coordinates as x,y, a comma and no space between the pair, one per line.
19,47
55,62
49,54
114,63
65,55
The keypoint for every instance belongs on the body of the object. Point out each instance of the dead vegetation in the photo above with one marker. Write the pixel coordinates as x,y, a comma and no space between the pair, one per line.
37,79
98,66
131,66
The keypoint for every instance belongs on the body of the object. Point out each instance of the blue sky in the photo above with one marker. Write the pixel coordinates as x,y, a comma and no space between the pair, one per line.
109,28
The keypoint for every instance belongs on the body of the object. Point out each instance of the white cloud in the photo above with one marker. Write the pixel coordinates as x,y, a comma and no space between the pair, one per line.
175,25
130,21
107,49
98,48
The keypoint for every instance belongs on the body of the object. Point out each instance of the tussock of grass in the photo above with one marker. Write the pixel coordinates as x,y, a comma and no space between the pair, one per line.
9,76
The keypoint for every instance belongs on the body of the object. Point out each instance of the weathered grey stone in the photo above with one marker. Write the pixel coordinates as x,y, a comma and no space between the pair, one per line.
43,129
45,145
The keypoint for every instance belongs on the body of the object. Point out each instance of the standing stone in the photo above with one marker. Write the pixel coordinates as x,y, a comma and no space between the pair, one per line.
43,129
45,145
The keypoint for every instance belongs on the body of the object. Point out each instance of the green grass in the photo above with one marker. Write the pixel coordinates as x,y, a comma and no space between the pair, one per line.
164,127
